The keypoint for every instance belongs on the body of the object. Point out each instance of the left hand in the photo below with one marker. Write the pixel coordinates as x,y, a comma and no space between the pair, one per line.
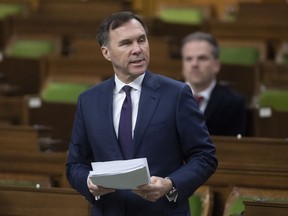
157,188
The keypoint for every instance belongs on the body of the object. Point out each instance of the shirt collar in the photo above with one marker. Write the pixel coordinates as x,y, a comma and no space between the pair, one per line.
135,84
207,92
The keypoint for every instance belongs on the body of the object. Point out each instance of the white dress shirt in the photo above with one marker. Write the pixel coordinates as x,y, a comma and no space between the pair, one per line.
205,94
118,99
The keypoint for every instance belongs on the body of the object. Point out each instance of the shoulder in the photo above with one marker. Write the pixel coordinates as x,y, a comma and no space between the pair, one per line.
164,81
99,88
226,92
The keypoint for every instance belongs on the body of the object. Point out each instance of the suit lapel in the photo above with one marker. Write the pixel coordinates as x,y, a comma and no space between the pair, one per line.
105,107
212,103
150,95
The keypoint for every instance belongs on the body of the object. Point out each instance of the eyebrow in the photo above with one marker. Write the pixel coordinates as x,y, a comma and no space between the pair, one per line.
124,41
128,40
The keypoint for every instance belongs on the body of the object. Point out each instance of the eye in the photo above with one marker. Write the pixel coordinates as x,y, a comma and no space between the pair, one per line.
124,42
203,58
142,39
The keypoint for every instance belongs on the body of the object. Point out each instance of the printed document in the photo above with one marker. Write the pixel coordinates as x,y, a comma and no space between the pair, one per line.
120,174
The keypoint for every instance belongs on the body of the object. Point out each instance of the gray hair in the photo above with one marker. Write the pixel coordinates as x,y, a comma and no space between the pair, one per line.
202,36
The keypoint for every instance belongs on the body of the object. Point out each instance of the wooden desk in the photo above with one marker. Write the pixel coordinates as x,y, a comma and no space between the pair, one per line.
255,208
248,162
42,201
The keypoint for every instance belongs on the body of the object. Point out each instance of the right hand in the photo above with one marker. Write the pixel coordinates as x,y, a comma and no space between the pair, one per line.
98,190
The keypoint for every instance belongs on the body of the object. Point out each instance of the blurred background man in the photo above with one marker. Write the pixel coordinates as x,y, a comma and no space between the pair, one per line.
223,108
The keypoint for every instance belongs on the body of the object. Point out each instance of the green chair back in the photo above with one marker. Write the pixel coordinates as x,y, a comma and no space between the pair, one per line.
239,55
196,205
182,15
10,9
201,202
61,92
238,206
31,48
276,99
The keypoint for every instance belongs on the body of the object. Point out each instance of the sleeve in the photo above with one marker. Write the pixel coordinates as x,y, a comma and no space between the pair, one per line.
79,157
198,150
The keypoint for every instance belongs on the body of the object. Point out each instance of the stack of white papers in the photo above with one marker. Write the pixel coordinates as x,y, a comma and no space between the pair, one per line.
120,174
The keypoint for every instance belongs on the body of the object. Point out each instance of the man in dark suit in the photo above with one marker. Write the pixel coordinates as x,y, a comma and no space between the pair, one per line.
223,108
166,128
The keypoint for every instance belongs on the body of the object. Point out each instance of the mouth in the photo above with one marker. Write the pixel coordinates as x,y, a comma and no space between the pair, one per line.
137,62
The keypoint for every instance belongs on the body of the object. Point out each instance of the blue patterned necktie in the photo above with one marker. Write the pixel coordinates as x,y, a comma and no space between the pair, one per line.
125,125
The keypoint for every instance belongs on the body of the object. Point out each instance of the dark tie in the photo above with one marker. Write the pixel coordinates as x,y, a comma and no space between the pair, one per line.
125,125
198,99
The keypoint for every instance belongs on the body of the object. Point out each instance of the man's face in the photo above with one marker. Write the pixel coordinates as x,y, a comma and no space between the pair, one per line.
128,50
198,64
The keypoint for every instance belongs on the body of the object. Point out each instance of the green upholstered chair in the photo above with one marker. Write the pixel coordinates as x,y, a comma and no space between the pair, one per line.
61,92
234,205
182,15
29,48
239,55
276,99
10,9
201,203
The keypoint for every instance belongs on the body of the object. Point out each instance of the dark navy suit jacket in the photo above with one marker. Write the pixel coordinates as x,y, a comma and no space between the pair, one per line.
170,132
225,113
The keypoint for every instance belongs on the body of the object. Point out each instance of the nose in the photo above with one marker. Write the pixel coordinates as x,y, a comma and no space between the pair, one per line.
136,49
194,62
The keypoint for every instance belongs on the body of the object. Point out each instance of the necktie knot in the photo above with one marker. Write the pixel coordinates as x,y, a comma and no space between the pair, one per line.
127,89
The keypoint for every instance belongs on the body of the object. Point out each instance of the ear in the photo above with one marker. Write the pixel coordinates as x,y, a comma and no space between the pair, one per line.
105,53
217,66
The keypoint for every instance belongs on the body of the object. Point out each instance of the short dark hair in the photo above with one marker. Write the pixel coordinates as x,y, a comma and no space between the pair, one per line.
114,21
202,36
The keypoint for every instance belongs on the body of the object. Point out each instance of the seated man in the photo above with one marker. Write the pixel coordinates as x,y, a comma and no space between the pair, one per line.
223,108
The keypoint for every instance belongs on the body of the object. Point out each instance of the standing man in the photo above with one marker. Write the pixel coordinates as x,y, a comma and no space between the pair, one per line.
223,108
166,128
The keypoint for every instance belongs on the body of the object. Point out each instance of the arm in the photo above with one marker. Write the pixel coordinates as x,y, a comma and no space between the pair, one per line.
197,148
79,157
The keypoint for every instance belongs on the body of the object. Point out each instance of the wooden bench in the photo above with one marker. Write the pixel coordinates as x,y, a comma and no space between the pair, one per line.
248,162
240,195
46,202
14,110
88,70
88,10
243,78
274,75
25,180
256,12
58,18
255,208
51,165
20,138
27,138
49,114
26,74
269,123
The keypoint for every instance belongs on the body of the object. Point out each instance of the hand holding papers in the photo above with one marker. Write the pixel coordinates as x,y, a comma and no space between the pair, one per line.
120,174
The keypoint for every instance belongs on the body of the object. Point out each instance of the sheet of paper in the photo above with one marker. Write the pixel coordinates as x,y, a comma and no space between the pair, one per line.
120,174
